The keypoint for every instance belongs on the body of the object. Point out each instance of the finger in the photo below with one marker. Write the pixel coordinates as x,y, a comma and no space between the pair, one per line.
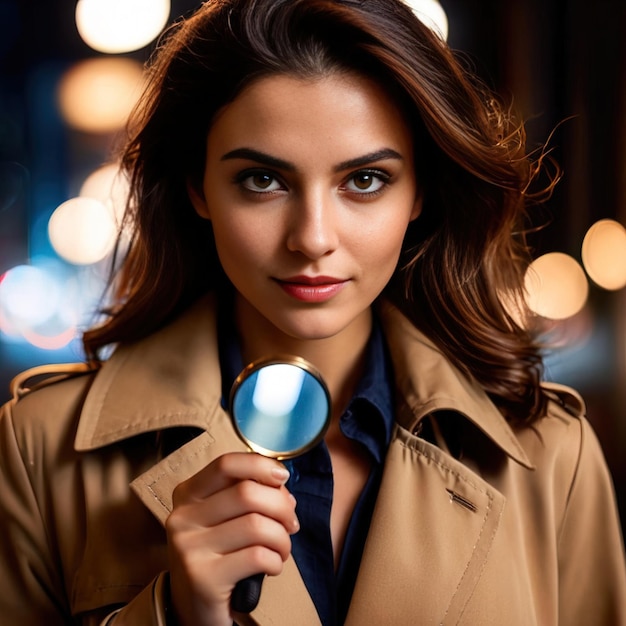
213,578
229,469
253,530
256,543
240,499
256,560
235,535
227,570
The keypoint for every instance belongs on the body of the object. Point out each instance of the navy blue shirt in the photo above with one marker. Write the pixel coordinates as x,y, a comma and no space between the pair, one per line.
367,420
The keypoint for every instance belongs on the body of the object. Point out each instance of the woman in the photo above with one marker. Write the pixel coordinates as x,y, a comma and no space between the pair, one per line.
318,178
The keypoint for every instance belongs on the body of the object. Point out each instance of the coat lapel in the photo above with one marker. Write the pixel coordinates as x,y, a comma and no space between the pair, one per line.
156,486
431,532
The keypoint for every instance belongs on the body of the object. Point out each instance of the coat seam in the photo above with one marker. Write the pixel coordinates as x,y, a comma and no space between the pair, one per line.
146,425
447,468
467,565
574,477
172,467
488,512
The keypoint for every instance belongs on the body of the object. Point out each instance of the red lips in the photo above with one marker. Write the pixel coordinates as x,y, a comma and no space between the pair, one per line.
312,288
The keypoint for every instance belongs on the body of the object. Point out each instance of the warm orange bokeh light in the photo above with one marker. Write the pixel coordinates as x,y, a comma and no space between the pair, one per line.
97,95
556,286
604,254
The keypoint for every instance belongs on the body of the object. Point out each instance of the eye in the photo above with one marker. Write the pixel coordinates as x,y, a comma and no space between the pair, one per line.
259,181
367,181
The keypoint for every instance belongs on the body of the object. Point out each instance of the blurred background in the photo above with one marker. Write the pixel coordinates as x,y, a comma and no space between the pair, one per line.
70,72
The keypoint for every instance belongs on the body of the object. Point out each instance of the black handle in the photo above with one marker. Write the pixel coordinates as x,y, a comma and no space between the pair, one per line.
246,594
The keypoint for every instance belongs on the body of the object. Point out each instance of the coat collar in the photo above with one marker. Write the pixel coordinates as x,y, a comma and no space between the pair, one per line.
427,382
172,378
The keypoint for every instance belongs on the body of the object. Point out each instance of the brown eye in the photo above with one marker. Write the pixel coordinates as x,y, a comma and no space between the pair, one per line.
259,182
363,181
262,181
367,182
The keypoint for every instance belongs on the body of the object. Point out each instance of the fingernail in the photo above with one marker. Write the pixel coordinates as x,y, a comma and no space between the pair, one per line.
281,474
296,524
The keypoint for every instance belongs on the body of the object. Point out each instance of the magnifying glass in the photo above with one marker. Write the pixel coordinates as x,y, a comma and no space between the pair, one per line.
280,408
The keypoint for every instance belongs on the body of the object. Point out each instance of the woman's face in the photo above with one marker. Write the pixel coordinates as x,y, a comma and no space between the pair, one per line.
310,186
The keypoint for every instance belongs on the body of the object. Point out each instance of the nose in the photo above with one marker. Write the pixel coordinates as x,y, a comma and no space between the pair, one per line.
313,225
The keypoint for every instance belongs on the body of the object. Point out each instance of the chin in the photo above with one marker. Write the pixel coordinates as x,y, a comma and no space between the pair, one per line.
307,333
314,327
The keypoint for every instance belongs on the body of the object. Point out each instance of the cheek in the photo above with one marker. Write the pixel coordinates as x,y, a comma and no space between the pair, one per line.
382,241
241,244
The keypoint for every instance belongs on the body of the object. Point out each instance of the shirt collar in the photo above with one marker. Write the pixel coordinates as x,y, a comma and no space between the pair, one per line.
172,378
369,417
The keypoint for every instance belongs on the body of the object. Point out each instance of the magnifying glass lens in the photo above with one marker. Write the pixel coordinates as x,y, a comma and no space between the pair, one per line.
280,407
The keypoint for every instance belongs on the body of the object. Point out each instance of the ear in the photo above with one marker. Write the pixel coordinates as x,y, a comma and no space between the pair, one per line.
196,195
417,206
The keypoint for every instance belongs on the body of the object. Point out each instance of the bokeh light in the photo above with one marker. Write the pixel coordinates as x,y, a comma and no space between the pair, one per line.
82,231
97,95
556,286
604,254
47,302
32,307
110,186
51,341
431,13
29,296
116,26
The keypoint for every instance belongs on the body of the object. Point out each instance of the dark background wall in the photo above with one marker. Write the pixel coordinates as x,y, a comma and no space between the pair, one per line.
562,64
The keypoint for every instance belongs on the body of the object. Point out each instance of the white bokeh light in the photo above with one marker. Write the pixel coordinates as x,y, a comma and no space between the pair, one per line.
118,26
110,186
47,302
604,254
556,286
29,296
431,13
82,231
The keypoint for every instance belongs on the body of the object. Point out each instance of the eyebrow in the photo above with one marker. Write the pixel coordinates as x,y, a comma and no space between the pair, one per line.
268,159
378,155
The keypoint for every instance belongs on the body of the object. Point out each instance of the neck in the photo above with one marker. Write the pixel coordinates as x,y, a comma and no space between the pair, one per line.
339,358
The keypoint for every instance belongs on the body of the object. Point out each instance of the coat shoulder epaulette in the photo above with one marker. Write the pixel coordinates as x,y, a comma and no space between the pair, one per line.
43,375
565,397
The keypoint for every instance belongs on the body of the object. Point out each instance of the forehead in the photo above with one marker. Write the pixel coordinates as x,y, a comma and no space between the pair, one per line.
283,112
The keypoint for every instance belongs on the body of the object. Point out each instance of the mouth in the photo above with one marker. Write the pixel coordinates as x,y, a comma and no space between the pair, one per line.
312,289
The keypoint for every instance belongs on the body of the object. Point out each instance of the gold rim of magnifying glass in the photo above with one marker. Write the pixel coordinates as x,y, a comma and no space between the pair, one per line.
279,359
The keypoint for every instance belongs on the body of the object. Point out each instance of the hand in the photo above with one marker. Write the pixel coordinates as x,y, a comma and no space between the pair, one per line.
229,521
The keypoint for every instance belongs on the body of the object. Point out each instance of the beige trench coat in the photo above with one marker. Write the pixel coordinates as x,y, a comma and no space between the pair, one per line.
515,528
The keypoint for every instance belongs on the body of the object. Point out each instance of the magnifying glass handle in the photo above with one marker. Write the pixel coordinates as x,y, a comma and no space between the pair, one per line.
246,593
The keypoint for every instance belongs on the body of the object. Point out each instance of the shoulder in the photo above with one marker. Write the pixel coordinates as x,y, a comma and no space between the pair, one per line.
556,436
564,448
44,376
46,399
572,469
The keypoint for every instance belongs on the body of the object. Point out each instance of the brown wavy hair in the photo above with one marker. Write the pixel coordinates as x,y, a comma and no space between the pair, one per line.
463,259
